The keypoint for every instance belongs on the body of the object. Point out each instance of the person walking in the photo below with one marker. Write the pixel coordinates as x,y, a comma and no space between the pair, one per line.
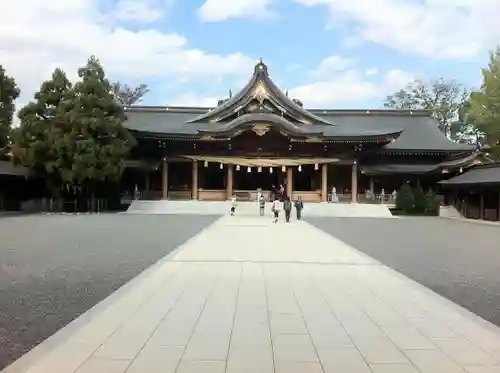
276,210
299,205
233,205
335,197
262,205
287,207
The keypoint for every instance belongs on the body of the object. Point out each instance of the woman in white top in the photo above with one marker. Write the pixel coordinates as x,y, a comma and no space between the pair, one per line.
335,198
276,209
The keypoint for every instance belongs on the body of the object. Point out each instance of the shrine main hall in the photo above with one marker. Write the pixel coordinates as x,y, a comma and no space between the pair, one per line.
259,138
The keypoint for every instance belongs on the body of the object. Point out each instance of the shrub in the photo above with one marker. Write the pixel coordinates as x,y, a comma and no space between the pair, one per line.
432,203
404,199
420,200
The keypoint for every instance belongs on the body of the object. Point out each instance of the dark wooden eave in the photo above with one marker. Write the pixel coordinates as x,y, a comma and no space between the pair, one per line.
247,121
466,160
485,174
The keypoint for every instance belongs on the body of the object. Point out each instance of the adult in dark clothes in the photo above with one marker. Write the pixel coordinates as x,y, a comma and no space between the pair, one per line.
299,205
287,207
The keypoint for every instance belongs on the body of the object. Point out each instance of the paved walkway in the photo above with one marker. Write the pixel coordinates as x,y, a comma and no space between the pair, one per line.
249,296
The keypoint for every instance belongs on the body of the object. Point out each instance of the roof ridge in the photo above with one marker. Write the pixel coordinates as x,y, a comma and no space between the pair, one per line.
205,109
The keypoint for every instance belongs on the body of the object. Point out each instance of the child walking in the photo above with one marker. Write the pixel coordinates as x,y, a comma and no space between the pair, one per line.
262,205
233,205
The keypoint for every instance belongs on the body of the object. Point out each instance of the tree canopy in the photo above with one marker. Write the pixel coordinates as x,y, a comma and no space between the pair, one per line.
102,141
126,95
443,98
41,142
9,92
73,134
484,104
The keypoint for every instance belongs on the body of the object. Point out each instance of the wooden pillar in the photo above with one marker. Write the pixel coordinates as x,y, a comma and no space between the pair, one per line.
324,182
466,204
164,179
194,191
146,181
481,205
289,181
498,206
354,183
229,183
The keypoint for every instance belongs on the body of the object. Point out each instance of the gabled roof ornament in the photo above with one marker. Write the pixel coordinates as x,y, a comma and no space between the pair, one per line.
260,88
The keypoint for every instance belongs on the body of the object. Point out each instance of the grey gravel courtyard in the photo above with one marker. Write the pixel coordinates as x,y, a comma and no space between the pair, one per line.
54,268
457,259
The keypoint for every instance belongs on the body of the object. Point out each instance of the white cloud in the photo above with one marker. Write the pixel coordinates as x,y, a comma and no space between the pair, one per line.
372,71
143,11
221,10
36,36
433,28
349,86
331,65
192,99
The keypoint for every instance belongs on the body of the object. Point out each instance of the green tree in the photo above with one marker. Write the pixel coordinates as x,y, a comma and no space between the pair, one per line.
73,135
102,142
43,141
126,95
465,129
404,199
443,98
432,203
419,200
485,104
9,92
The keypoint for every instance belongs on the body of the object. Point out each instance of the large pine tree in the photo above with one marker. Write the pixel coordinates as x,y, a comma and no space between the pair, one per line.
72,135
44,140
102,142
9,92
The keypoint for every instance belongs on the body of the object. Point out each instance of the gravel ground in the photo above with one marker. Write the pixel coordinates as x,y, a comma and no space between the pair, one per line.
54,268
459,260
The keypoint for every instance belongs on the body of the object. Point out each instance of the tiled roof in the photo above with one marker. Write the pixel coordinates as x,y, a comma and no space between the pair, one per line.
420,131
481,174
7,168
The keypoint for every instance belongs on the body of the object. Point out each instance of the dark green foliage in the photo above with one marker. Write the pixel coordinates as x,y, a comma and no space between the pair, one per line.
420,201
101,142
9,92
404,199
415,202
484,104
73,135
432,203
43,141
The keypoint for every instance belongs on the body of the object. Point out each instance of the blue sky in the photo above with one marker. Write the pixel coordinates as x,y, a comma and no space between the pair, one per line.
328,53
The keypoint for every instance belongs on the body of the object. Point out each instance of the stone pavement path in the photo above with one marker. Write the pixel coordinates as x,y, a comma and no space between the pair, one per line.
247,295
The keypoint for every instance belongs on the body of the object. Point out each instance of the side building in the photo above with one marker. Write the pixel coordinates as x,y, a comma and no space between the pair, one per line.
260,138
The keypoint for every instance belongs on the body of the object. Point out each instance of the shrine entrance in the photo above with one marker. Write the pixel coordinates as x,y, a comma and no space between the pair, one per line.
248,178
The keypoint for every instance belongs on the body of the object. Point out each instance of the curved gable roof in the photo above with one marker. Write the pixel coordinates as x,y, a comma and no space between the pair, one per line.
261,87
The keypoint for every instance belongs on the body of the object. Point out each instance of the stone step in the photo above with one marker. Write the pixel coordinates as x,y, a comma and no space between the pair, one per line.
252,208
